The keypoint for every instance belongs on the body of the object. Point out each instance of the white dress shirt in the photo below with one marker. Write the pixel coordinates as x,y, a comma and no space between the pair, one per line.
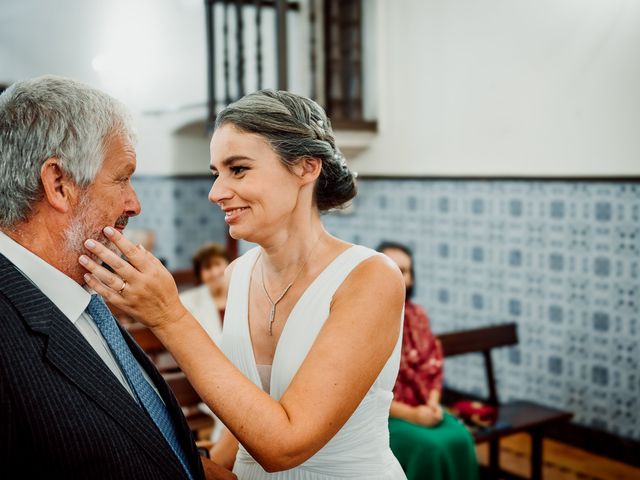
70,298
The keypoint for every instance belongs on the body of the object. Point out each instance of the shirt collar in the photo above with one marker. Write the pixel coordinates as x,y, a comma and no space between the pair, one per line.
70,298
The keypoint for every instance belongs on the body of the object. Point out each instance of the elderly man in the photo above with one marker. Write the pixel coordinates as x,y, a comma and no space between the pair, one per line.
78,398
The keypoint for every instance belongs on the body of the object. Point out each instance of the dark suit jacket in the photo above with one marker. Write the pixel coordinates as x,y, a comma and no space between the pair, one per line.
63,414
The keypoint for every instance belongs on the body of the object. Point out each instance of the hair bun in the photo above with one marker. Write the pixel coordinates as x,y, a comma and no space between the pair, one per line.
296,127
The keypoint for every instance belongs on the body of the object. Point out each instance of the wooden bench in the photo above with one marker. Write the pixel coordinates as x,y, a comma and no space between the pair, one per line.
153,347
184,279
513,417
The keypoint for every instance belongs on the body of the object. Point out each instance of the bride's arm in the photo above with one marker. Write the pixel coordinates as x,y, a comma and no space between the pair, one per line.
344,361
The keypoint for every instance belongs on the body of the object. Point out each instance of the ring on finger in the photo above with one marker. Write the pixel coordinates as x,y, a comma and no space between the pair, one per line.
124,285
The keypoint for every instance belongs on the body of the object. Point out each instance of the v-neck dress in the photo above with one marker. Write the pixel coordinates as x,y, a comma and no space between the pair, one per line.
360,449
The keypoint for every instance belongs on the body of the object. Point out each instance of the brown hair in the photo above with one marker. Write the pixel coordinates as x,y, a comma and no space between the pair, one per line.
205,253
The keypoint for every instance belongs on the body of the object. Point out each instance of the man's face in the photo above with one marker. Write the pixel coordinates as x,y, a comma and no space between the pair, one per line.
109,201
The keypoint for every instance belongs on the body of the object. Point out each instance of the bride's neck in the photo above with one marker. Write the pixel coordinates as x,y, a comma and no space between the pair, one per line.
291,249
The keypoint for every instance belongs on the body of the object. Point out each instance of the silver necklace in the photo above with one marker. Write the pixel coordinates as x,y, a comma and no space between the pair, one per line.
272,311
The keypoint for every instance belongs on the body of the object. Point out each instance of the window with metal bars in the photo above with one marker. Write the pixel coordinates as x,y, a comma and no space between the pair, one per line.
334,48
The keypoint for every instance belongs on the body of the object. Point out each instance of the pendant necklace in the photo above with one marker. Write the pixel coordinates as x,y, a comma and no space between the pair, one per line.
272,311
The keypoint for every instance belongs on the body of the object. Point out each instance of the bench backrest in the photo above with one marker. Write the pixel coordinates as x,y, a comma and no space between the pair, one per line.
146,339
184,279
478,339
481,340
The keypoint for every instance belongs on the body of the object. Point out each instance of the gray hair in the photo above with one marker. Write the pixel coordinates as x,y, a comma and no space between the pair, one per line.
296,127
49,117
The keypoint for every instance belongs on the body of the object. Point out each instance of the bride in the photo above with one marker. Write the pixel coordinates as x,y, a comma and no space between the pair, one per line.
312,328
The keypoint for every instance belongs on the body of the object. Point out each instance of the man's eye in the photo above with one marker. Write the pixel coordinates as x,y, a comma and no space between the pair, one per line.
238,170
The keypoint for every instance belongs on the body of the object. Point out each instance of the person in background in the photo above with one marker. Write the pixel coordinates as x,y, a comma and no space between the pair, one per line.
207,302
428,442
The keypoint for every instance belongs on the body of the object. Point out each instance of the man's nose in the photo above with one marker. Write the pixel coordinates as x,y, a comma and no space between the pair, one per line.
132,207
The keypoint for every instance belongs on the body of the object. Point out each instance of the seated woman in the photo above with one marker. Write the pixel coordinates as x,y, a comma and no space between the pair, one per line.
428,442
207,302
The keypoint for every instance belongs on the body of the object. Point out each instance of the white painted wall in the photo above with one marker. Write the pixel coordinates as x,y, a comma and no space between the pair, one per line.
504,87
150,54
139,51
459,87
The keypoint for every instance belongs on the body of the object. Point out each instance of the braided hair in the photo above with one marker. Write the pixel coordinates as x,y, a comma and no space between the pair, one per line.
296,128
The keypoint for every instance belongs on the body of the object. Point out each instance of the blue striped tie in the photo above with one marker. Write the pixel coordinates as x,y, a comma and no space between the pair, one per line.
146,395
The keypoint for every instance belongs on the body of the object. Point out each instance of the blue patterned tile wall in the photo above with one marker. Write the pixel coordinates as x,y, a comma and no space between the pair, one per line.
178,211
561,259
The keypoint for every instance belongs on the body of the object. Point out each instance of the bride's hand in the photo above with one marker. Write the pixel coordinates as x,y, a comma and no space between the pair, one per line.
141,286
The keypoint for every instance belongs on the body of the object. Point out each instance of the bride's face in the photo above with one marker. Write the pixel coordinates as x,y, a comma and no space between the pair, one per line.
253,187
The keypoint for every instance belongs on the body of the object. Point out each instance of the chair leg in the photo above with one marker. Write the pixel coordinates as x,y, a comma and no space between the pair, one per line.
494,459
536,454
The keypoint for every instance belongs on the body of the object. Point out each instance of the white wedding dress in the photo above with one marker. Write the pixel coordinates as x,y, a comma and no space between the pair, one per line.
361,448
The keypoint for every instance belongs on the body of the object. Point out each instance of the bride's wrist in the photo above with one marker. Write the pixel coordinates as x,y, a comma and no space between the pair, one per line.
172,323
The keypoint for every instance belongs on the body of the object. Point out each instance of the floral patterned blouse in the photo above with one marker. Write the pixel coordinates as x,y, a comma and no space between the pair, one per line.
421,361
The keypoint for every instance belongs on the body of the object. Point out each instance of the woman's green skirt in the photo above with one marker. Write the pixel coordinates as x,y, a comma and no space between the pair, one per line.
444,452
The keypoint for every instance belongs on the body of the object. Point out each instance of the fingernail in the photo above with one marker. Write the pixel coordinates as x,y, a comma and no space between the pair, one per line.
84,259
87,277
89,244
108,231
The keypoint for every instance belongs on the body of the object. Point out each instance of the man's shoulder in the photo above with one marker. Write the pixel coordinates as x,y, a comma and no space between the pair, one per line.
9,275
5,263
14,329
23,306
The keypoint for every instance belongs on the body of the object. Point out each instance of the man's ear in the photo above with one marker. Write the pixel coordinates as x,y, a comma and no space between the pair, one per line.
60,191
308,169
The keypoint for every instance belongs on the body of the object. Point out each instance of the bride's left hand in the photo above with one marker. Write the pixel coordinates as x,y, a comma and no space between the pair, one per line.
140,285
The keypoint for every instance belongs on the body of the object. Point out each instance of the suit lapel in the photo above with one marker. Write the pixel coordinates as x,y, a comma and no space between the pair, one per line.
71,354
